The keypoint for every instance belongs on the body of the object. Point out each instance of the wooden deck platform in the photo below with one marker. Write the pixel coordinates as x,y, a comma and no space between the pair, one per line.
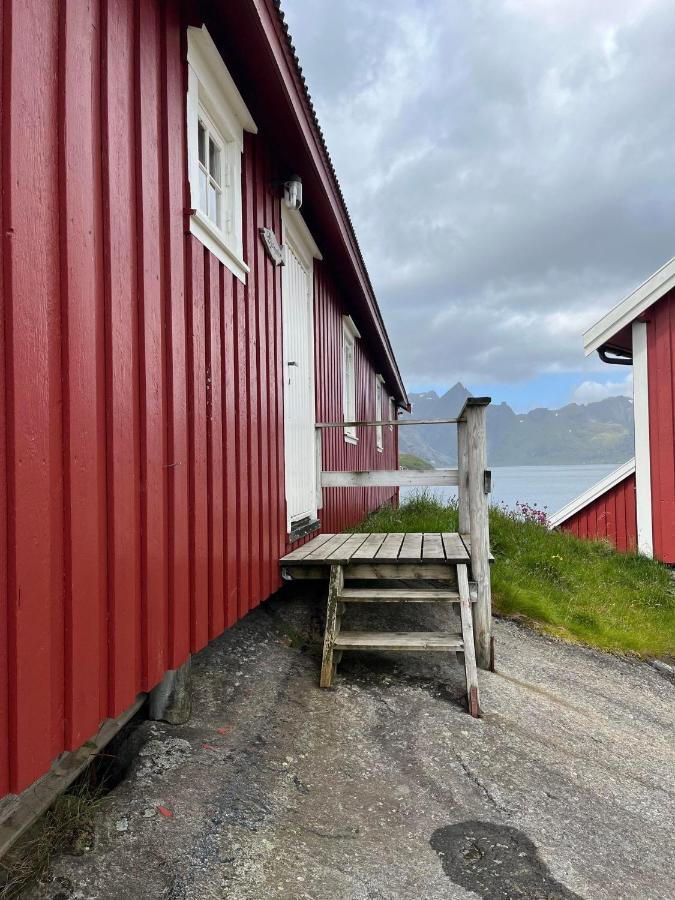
395,548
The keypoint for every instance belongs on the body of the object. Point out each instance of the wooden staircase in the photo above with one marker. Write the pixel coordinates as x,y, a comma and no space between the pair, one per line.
462,643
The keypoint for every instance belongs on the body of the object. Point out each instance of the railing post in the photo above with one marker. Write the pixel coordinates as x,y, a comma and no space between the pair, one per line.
463,478
479,529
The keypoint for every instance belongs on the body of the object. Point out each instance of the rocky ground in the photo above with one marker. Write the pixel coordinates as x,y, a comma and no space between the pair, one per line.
383,787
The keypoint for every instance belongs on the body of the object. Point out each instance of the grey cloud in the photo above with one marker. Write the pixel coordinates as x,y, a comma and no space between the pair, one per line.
510,167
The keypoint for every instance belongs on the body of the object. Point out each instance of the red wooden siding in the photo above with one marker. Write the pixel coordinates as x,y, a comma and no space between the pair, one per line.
141,455
610,517
343,507
661,363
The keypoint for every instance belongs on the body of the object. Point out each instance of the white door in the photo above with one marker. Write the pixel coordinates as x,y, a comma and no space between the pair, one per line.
299,403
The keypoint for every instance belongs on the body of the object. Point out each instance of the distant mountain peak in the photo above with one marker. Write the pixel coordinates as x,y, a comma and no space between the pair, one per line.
599,432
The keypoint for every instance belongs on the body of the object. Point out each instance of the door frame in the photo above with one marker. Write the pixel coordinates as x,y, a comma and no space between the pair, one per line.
294,231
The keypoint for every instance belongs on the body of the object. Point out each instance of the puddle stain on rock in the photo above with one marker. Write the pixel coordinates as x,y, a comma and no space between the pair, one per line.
495,862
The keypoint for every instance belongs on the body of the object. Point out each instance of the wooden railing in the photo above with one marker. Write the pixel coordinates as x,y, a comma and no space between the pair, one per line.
472,479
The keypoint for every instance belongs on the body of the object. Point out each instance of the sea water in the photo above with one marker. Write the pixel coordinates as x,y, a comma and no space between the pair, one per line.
547,487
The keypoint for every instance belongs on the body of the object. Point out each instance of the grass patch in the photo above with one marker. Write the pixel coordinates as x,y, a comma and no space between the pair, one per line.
580,590
416,463
66,827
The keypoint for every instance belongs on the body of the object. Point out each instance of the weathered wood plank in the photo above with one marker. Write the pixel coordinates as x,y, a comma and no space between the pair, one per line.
365,423
398,640
455,549
472,696
390,548
344,552
479,530
466,540
332,626
432,547
323,552
411,548
398,595
403,571
374,570
393,478
301,552
370,546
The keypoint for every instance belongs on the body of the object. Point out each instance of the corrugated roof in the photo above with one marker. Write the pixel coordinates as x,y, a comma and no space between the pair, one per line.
331,169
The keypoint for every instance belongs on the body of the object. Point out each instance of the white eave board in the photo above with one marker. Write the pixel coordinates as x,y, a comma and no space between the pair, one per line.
598,489
649,292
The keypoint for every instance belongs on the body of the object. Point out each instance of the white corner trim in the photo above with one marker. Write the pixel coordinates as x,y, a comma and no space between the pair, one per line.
348,323
597,490
203,56
630,307
643,469
209,236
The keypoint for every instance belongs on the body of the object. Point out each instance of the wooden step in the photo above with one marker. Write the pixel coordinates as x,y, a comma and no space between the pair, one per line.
397,595
398,640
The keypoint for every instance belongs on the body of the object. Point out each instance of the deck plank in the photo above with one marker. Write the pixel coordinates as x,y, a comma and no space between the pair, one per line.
390,548
433,547
411,548
370,546
323,552
455,550
344,552
466,540
301,552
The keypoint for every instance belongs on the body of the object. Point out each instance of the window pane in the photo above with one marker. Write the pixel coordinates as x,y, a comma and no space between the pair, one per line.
202,191
214,204
202,144
214,161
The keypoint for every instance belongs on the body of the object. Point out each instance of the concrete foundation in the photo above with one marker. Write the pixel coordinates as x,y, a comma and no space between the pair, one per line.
171,700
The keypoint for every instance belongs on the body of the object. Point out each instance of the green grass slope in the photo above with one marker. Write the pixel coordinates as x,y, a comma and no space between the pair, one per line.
416,463
579,590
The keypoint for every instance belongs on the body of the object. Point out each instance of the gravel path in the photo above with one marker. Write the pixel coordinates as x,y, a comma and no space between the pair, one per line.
384,787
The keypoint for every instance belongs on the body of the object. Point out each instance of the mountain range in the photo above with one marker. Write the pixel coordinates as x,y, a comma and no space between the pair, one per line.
575,434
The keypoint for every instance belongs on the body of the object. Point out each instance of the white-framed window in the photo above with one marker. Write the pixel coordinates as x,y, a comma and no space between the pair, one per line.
350,333
216,120
379,443
392,412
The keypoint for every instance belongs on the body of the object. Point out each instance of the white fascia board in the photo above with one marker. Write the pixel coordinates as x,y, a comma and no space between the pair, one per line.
348,324
597,490
649,292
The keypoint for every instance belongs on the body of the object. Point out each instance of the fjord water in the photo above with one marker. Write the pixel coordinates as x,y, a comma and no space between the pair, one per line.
546,486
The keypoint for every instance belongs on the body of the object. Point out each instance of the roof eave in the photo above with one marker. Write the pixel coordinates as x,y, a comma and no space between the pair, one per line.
632,306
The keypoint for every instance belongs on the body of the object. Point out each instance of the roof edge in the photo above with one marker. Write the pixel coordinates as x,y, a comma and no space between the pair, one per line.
597,490
644,296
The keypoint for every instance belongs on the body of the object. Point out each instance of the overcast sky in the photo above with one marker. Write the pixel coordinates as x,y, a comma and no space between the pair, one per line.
510,169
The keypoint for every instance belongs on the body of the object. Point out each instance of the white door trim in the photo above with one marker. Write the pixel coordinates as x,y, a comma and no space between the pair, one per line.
643,469
294,232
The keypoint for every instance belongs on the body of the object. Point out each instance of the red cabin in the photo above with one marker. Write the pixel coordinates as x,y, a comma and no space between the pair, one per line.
183,298
635,506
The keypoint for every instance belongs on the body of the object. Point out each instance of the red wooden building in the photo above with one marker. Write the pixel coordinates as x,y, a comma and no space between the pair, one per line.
172,328
635,506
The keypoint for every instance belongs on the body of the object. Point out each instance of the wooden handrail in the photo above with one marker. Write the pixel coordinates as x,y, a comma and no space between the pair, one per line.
396,422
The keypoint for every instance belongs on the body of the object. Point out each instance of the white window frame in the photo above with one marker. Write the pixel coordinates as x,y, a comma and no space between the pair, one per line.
212,96
350,333
379,389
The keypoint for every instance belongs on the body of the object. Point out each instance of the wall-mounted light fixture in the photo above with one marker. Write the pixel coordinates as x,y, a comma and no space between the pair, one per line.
293,192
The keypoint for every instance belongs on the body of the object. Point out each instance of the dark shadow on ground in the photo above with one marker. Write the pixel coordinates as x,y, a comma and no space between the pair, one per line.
495,861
